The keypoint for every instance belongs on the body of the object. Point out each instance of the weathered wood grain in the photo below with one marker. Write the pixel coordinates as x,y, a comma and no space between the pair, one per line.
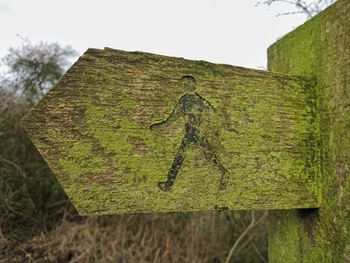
257,128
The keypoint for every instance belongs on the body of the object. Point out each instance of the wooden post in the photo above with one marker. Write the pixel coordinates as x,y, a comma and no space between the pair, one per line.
321,49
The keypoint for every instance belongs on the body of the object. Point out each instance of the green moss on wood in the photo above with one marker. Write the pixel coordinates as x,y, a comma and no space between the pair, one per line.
93,130
81,162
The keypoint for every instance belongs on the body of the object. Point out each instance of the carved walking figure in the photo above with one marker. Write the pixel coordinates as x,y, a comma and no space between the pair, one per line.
190,106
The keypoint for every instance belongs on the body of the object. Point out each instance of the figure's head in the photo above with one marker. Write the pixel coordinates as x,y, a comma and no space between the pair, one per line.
188,83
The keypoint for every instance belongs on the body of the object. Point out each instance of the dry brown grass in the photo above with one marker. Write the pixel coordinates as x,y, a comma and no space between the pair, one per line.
38,223
195,237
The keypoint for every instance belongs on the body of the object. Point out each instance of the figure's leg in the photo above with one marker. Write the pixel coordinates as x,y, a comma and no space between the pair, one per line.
211,157
175,167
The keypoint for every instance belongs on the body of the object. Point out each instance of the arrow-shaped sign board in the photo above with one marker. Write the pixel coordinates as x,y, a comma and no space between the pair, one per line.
129,132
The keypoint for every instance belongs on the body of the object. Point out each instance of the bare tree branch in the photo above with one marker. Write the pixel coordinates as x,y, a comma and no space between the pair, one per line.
307,7
252,224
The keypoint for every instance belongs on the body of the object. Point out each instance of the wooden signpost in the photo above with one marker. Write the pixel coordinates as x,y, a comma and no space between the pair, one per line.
134,132
129,132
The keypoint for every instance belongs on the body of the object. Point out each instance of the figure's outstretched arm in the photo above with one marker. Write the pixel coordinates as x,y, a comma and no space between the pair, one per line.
208,105
176,113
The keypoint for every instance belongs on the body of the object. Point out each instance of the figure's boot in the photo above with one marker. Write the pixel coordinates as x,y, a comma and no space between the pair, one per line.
165,186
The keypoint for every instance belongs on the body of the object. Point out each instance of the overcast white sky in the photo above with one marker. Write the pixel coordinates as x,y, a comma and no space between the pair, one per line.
221,31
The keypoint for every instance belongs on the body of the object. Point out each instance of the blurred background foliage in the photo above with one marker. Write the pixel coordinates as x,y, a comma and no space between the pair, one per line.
39,224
